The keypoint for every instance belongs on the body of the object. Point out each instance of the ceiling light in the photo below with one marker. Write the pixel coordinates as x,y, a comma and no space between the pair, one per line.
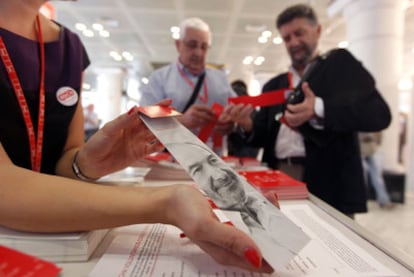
80,26
259,60
248,60
343,44
115,55
266,34
175,35
127,56
262,39
405,84
277,40
175,32
97,27
86,86
175,29
144,80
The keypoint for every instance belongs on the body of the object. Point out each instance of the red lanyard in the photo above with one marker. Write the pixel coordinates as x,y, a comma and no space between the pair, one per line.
35,145
203,98
290,80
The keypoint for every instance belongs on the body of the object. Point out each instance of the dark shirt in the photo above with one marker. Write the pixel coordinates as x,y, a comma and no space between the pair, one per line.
65,60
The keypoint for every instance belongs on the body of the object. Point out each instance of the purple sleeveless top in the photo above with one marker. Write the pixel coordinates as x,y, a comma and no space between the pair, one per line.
65,60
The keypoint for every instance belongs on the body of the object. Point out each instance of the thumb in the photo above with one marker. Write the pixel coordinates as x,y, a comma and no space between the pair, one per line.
307,91
165,102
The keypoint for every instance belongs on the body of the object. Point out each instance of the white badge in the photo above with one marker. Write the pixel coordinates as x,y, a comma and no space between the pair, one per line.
67,96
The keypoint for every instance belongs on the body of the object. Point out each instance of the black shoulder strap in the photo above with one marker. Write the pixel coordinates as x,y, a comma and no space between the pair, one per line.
312,67
195,92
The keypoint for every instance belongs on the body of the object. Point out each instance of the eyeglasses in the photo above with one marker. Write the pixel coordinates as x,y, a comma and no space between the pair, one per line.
193,44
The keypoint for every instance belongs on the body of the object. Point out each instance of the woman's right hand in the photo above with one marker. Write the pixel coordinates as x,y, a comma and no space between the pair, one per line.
191,212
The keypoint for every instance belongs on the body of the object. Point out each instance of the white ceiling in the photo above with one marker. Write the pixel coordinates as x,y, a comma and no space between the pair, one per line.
143,28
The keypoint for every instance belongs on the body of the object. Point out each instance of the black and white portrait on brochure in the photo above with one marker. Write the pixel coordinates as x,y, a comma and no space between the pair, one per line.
271,230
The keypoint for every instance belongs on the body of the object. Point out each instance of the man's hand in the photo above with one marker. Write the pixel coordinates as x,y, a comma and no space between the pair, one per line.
197,116
298,114
239,114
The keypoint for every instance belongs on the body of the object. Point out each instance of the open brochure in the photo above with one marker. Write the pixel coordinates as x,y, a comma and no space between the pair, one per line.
62,247
158,250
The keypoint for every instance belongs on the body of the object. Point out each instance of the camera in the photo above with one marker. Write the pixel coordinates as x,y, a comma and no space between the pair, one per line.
296,96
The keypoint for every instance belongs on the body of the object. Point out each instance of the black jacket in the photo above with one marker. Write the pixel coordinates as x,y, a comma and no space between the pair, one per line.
333,169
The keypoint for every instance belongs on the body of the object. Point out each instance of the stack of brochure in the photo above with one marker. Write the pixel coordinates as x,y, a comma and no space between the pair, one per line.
285,186
62,247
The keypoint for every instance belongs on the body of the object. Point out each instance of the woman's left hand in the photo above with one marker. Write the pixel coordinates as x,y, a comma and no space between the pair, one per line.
118,144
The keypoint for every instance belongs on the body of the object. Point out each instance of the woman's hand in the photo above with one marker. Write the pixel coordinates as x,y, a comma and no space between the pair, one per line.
192,213
118,144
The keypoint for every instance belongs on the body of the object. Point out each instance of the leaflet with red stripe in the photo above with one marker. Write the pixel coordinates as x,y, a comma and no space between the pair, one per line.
208,129
271,98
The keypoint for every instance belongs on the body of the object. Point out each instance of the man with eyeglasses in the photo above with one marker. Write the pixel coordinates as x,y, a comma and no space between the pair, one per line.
192,87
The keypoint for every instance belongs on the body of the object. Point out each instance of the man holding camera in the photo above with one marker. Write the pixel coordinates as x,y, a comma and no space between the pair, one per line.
316,140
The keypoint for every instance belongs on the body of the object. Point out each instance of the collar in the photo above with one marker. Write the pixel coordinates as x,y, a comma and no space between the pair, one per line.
185,70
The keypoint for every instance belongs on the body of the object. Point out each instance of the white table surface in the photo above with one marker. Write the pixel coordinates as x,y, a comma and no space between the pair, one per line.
387,254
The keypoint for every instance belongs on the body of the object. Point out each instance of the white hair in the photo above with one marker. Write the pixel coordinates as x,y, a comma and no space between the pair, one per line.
194,23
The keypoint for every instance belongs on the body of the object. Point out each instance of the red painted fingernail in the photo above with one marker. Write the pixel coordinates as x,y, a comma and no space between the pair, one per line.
253,257
228,223
212,204
131,110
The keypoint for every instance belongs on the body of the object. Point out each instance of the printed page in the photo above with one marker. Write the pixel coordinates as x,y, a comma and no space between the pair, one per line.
158,250
330,247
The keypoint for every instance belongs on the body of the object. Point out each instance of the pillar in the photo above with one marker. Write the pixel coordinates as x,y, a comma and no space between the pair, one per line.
375,32
109,92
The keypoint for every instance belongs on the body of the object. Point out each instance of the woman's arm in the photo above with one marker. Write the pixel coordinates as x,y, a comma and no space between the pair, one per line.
31,201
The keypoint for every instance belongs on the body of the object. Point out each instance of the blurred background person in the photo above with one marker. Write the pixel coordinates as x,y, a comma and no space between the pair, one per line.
92,121
370,143
192,86
236,141
317,142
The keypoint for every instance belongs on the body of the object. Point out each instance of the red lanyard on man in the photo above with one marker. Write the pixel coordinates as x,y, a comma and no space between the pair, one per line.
36,144
203,98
